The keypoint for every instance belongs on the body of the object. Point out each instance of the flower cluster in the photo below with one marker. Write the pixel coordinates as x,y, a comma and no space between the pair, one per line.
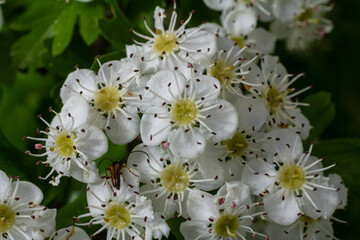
220,127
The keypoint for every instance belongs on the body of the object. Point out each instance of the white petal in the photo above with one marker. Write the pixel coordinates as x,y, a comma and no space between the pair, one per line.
86,78
92,142
265,41
271,65
240,22
251,113
185,144
325,200
283,212
158,227
234,192
280,29
219,5
193,230
281,140
285,10
338,183
122,130
78,234
27,192
159,15
202,86
159,83
302,124
214,28
223,121
276,231
86,174
78,109
258,183
153,129
5,184
98,191
201,206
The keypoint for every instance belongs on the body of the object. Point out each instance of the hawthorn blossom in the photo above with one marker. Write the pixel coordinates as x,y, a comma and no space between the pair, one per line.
301,22
72,144
175,47
123,213
186,113
21,215
70,233
113,96
227,215
276,94
168,179
291,182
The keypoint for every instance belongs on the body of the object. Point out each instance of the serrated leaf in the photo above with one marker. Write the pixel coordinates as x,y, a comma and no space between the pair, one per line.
320,113
89,28
117,55
64,27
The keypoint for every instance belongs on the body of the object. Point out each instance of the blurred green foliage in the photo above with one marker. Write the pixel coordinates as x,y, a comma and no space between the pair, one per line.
42,40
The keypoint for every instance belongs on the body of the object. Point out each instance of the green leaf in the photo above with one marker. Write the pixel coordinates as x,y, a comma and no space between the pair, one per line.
320,113
89,16
117,55
114,153
174,224
65,215
116,30
64,28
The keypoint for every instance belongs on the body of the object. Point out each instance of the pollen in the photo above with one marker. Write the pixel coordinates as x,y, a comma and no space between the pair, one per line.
237,144
107,98
239,40
292,176
275,99
174,178
64,145
7,218
223,72
184,112
226,226
165,42
117,216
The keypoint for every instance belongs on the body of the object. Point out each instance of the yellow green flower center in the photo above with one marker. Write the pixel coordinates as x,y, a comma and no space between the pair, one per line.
226,226
107,98
184,112
174,178
307,220
117,216
237,144
7,218
307,16
239,40
275,99
292,176
64,145
223,72
165,42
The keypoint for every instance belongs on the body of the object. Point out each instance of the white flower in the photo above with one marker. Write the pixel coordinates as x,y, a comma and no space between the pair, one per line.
124,214
168,179
222,5
276,95
21,215
186,113
113,96
70,233
71,144
291,182
301,22
175,48
228,215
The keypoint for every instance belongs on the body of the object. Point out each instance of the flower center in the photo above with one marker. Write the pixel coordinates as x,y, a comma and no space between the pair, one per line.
64,145
107,98
307,220
165,42
7,218
226,226
292,176
239,40
223,72
184,112
275,99
237,144
117,216
306,16
174,178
